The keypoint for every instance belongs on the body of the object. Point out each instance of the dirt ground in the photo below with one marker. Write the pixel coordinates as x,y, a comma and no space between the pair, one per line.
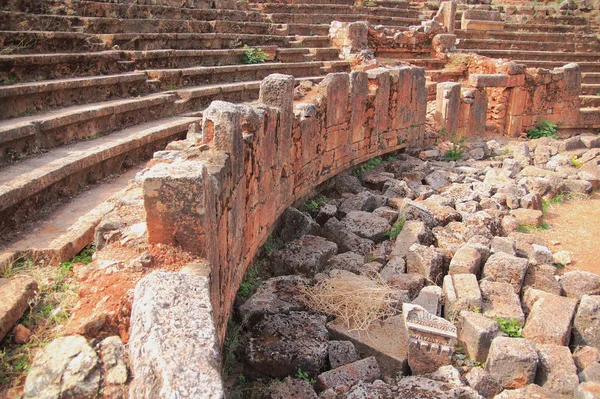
575,227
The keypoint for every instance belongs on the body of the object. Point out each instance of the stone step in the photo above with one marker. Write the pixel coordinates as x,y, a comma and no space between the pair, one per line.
441,75
589,101
549,28
590,77
311,8
495,44
204,4
327,18
391,57
391,4
25,42
334,2
589,118
27,186
26,99
588,66
29,135
590,89
63,233
36,67
526,36
536,55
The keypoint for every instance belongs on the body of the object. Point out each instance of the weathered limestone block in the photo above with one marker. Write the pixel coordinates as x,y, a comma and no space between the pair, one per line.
295,224
496,80
158,346
432,339
549,321
541,277
447,106
531,217
585,356
502,267
586,326
301,342
429,298
500,300
512,362
483,382
430,262
531,391
306,255
386,340
341,353
422,387
277,90
444,43
476,333
461,292
366,370
446,15
381,79
15,294
174,201
352,37
67,367
335,231
413,232
556,370
577,283
588,390
591,373
411,282
366,225
467,260
112,353
473,114
292,388
335,88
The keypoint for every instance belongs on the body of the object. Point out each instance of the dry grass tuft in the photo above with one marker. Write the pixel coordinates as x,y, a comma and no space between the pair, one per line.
357,300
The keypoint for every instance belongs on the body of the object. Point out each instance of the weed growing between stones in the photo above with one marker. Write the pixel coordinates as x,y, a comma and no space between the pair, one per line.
254,55
302,375
396,229
528,228
312,206
454,153
511,327
367,166
544,128
47,313
461,359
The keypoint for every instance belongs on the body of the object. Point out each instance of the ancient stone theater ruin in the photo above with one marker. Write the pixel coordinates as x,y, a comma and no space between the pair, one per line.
296,199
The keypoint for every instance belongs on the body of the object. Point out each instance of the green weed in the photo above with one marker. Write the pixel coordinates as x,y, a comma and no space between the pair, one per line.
302,375
251,283
396,229
529,228
367,166
511,327
172,87
272,244
544,128
27,112
254,55
576,162
454,153
233,342
313,205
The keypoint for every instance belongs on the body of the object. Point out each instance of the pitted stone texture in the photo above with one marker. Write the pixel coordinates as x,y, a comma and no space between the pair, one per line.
588,390
413,283
172,324
585,356
476,333
430,299
504,268
292,388
500,300
281,344
531,391
364,201
549,321
112,353
556,370
420,387
366,370
341,353
349,261
467,260
432,339
481,381
276,295
412,210
586,326
541,277
335,231
306,255
296,224
430,262
367,225
591,373
15,295
577,283
67,367
461,292
413,232
504,244
512,362
398,189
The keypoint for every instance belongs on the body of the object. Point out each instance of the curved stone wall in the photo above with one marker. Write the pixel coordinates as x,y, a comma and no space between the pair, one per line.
222,199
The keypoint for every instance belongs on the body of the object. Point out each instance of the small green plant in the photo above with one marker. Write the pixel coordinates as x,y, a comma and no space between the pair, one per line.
172,87
396,229
510,327
302,375
544,128
367,166
454,153
528,228
233,342
576,162
559,265
313,205
476,309
27,112
272,244
254,55
251,283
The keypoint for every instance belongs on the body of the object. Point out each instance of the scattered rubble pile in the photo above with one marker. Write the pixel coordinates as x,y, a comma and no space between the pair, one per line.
481,307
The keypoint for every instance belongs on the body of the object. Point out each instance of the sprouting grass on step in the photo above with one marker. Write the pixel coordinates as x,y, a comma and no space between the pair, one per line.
254,55
27,112
529,228
48,312
510,327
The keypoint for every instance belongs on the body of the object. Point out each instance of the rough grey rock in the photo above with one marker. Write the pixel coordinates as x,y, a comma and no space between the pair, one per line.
349,261
429,298
348,184
500,300
395,265
411,282
429,262
366,225
412,210
512,362
577,283
413,232
295,224
335,231
587,390
306,255
591,373
467,260
326,212
276,295
502,267
556,370
586,326
442,215
341,353
365,201
476,333
438,179
531,391
398,189
504,244
280,344
172,324
539,255
447,374
375,179
541,277
460,193
420,387
389,214
461,292
114,362
549,321
292,388
67,367
584,356
366,370
15,294
483,382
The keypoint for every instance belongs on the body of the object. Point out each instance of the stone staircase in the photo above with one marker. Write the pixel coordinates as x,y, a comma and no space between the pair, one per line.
90,89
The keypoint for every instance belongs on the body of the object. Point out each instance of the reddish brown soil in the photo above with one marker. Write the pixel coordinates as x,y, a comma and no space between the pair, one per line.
575,227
